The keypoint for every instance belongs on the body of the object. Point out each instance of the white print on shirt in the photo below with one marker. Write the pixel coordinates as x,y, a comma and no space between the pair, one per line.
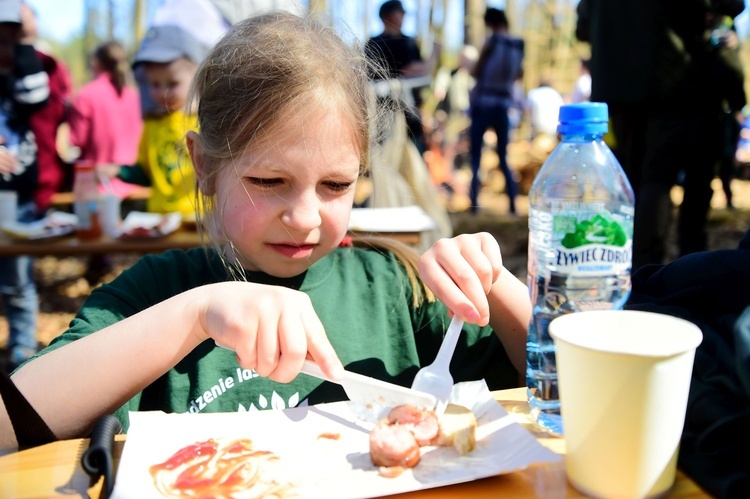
243,375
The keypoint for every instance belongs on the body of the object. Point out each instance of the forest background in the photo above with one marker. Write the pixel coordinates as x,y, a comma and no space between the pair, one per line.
71,30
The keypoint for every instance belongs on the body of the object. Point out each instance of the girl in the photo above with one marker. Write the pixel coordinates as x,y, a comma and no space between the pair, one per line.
284,134
105,118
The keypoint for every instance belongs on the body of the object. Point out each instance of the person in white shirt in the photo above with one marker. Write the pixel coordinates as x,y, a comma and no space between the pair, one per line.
582,86
543,107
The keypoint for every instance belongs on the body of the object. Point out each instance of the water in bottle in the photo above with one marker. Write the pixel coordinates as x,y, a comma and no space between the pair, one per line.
581,211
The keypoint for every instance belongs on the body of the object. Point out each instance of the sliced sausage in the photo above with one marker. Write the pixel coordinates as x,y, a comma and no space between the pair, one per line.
423,424
393,445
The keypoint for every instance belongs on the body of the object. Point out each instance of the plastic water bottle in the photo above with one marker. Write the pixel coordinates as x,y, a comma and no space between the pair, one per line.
581,211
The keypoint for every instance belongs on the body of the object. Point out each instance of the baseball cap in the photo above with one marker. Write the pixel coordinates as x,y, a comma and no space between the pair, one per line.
10,11
169,43
390,6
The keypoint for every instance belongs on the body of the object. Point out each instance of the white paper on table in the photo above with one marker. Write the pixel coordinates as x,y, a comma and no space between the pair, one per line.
396,219
158,224
331,468
56,223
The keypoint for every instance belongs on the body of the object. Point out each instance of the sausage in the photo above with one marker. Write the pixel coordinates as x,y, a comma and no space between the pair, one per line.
396,440
423,424
393,445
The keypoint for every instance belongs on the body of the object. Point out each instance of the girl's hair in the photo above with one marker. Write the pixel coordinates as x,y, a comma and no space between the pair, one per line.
264,68
113,60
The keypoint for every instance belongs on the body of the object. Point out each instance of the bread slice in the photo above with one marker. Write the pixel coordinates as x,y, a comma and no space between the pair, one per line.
458,427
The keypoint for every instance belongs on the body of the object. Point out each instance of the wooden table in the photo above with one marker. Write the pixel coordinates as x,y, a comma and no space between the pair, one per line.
54,470
182,239
71,245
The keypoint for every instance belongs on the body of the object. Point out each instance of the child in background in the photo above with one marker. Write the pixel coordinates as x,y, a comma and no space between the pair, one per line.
170,57
24,89
285,132
105,118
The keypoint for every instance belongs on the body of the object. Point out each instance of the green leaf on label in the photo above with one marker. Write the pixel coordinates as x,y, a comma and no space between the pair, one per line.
598,230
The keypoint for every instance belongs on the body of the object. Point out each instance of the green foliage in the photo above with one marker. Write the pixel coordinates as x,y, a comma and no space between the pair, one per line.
74,54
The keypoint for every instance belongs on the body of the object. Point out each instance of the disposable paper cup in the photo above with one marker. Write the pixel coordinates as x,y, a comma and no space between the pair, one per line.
624,378
8,206
109,215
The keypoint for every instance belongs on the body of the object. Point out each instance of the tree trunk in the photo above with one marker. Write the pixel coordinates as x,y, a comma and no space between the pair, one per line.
474,30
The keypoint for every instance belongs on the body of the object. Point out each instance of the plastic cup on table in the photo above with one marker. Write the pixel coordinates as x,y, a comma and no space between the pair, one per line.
624,378
8,207
109,215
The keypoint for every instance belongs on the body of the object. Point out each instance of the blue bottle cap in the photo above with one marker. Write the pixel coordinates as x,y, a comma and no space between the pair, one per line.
586,118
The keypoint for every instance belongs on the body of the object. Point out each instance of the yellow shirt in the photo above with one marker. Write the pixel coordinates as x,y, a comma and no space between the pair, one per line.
163,156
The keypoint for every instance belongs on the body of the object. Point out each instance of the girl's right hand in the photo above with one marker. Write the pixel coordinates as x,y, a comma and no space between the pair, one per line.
271,329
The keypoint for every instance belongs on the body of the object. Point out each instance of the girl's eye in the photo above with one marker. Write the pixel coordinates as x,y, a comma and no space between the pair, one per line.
338,186
263,182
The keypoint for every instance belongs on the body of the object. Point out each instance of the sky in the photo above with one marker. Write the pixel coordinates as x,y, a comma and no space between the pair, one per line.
60,20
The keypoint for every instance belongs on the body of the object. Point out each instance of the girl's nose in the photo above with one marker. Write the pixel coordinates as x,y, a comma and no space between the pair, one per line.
303,212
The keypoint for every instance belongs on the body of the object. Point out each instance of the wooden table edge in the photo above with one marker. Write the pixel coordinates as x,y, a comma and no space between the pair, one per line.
62,458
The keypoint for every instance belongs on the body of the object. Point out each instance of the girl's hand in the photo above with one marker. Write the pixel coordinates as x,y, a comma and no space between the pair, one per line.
461,272
272,329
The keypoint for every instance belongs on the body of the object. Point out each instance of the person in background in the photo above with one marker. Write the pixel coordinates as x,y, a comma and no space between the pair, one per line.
55,175
582,85
452,90
105,118
398,56
170,57
709,289
204,20
24,89
451,123
105,125
665,89
500,65
731,72
517,109
543,109
285,133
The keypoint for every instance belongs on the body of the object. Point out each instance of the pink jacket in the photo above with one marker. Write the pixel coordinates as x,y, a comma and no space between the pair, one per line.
106,126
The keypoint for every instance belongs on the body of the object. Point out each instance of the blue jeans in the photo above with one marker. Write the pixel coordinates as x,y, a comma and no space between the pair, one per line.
482,118
19,298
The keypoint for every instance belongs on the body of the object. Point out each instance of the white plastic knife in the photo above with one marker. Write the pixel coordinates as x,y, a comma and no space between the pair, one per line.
369,391
372,391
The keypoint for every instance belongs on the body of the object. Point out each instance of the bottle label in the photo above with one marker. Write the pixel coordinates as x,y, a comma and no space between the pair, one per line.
588,243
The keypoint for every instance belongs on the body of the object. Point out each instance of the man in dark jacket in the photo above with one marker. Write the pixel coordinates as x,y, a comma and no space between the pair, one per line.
398,56
664,82
710,289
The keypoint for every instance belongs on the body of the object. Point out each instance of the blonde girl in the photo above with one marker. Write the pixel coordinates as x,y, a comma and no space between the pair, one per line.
285,132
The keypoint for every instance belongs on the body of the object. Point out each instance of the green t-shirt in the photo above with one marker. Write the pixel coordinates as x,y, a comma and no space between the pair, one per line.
363,299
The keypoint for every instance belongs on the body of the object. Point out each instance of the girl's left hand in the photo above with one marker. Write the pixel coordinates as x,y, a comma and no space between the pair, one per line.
461,272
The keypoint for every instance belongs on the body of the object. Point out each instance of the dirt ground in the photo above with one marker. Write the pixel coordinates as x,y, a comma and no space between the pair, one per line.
63,287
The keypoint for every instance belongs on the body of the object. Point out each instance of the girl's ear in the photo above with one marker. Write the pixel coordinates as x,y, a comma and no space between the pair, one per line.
195,148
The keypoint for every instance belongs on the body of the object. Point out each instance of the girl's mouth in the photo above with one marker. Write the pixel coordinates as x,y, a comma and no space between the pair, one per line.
295,251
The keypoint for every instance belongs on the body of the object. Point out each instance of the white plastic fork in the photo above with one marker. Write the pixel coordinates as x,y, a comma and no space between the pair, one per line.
436,378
